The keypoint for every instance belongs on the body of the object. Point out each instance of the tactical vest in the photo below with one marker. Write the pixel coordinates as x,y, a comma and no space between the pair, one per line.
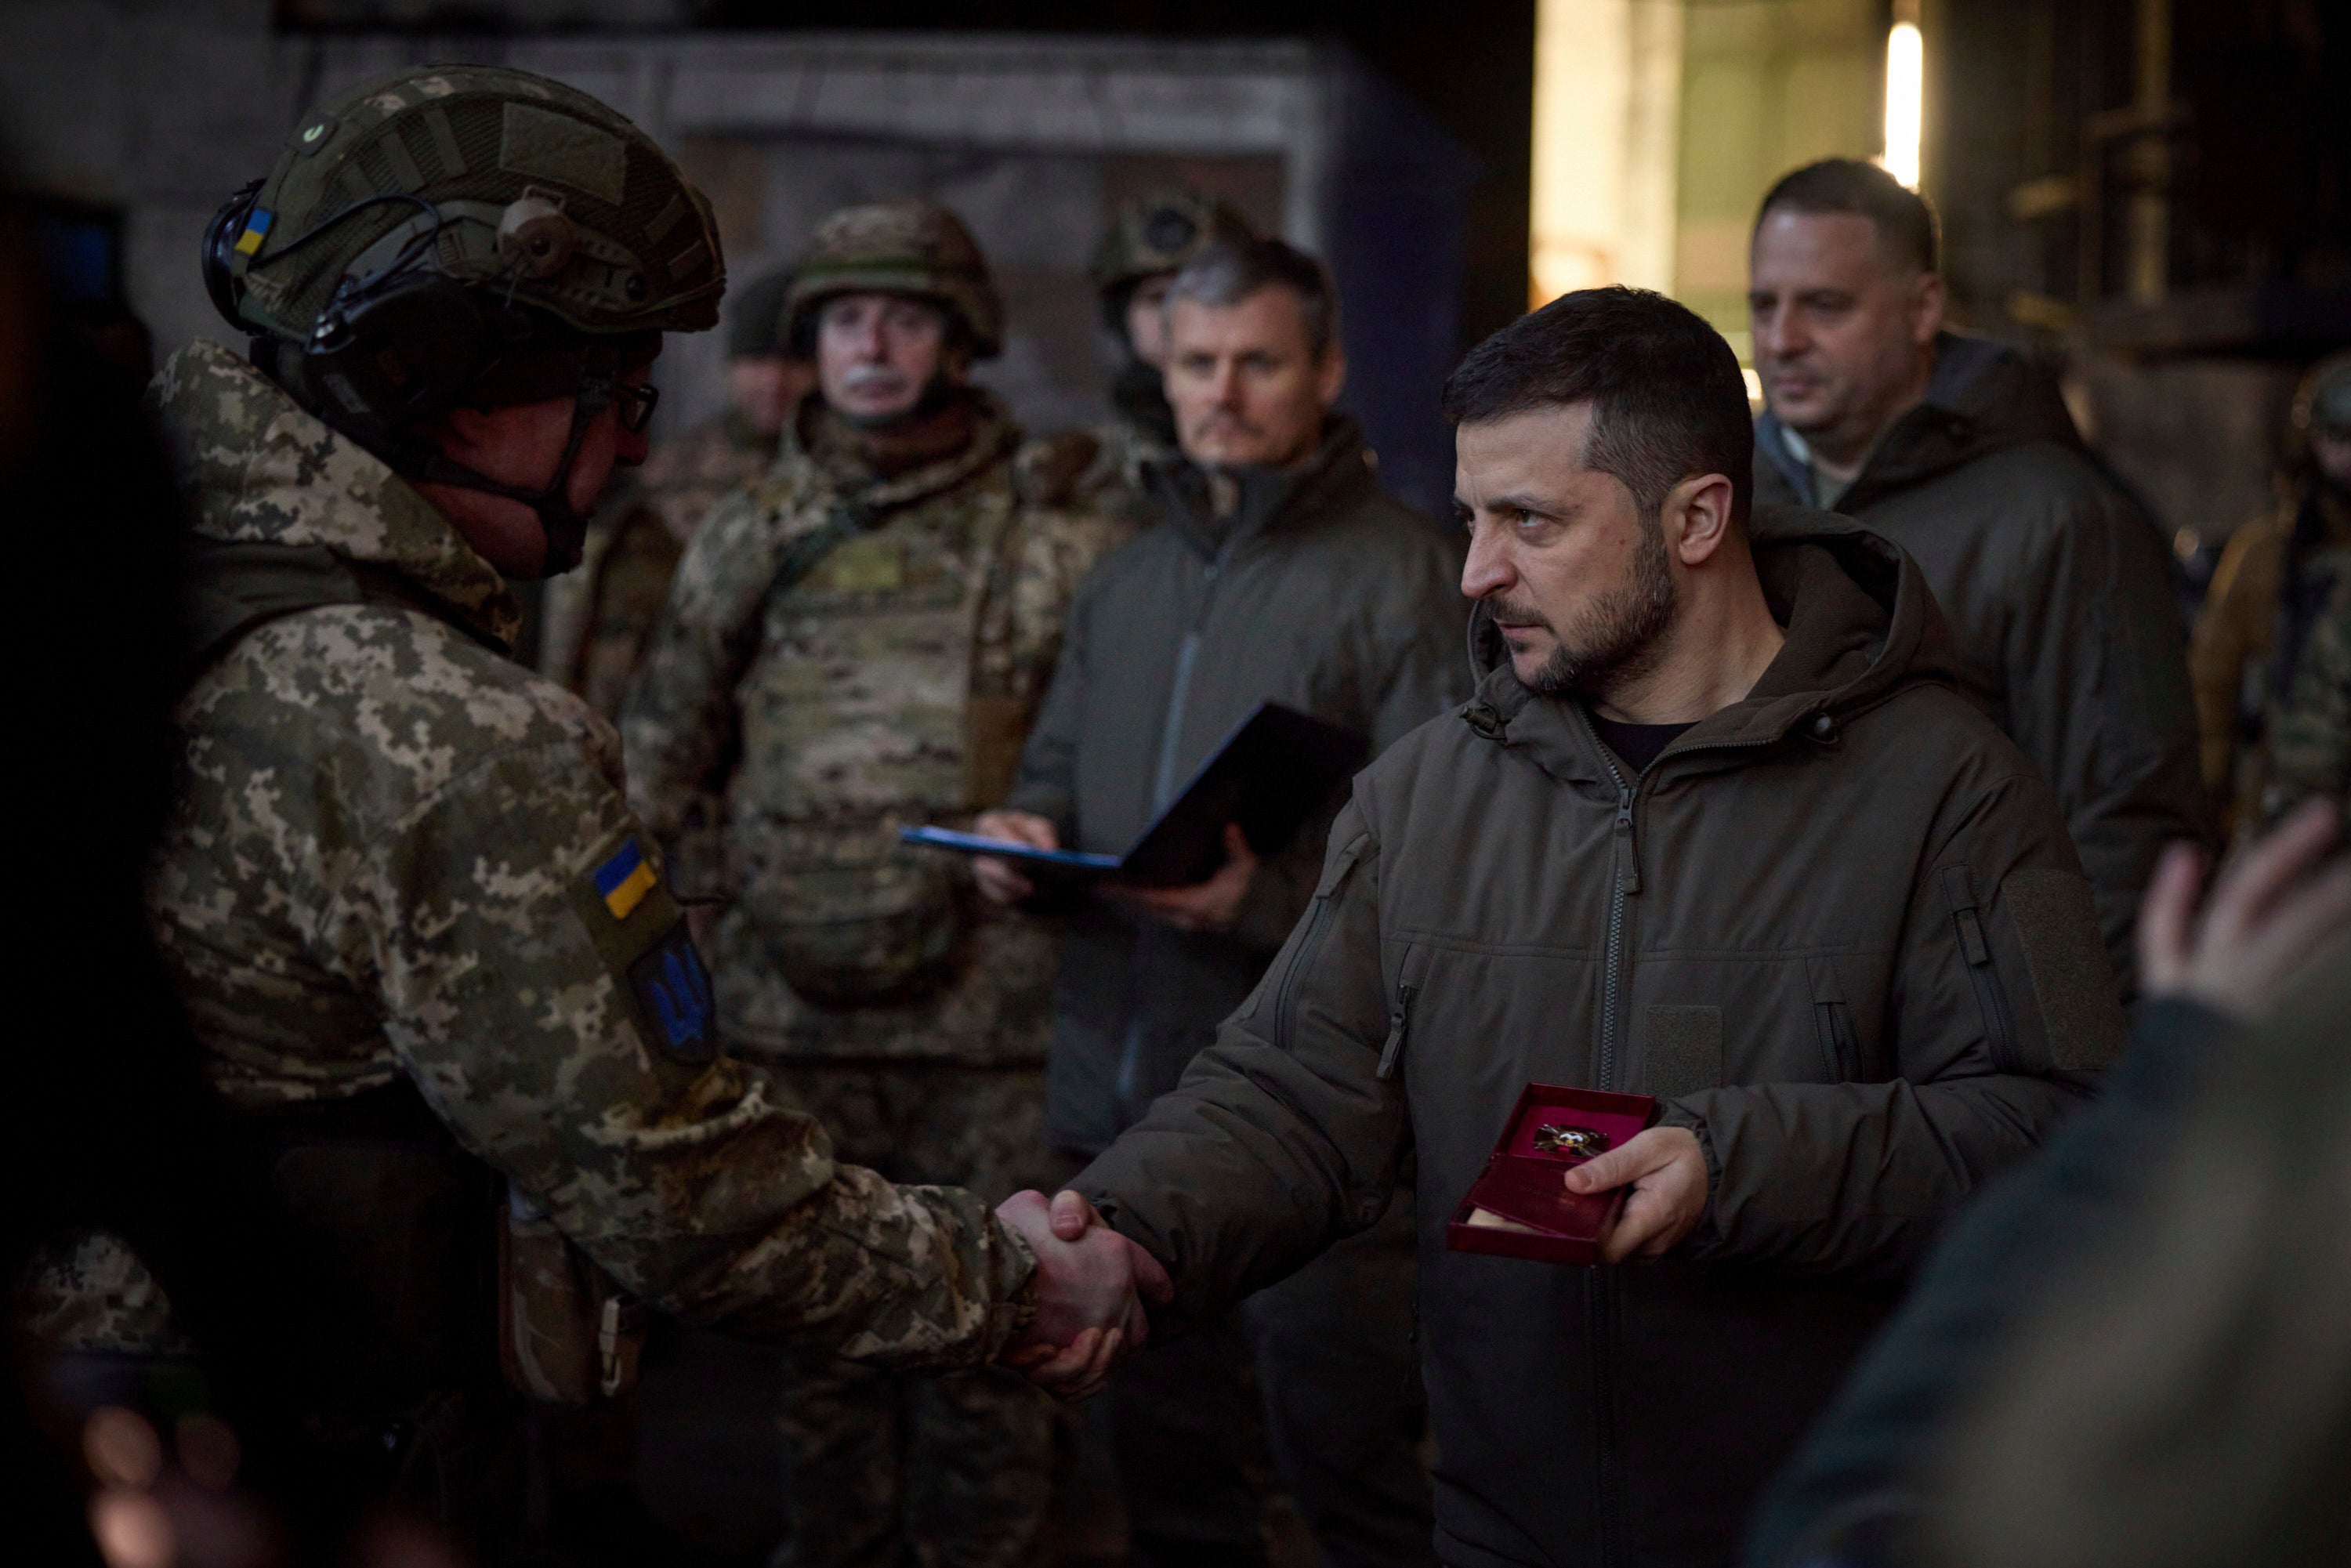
428,1280
868,704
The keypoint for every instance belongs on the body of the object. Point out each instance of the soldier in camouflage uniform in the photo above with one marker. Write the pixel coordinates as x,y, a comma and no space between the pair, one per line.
1146,245
427,950
2270,595
596,621
856,644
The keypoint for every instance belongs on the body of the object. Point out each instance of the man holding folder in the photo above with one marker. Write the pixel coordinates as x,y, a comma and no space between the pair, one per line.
1281,571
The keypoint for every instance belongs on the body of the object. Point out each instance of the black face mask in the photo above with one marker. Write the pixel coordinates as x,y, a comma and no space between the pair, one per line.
1139,393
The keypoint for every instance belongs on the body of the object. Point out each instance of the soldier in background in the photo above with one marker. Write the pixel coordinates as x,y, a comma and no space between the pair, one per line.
598,618
2270,600
1146,245
429,958
854,645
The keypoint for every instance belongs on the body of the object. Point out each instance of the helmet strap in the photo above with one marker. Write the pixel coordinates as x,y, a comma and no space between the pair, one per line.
563,526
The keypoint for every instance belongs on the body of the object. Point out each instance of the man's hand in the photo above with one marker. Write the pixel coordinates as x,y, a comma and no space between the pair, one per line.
1667,1171
1091,1285
1211,905
2271,908
998,883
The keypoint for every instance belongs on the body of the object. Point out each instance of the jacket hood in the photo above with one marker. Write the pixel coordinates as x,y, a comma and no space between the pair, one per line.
257,468
1270,497
1981,397
1861,624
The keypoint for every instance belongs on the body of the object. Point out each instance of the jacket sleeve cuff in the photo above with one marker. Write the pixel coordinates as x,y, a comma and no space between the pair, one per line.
1705,1237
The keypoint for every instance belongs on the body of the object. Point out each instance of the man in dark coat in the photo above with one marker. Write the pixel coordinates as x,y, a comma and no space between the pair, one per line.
1715,829
1283,571
1960,451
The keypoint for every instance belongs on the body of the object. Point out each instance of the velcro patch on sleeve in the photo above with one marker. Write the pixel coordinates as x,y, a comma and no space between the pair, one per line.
640,937
673,990
2065,954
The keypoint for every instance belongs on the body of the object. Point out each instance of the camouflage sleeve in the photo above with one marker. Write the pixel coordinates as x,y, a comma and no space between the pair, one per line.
538,984
2310,741
678,723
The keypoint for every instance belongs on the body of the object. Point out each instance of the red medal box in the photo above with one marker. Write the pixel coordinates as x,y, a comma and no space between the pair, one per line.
1520,1206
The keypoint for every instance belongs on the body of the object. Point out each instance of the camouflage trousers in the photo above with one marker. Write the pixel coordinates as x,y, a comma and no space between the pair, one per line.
889,1468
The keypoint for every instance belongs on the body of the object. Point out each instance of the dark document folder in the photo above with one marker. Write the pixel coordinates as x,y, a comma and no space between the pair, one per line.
1272,773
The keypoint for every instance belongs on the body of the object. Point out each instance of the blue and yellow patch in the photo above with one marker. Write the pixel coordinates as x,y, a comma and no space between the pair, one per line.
623,881
674,989
257,229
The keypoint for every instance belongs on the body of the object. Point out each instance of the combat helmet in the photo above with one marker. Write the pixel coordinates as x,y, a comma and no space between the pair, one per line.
1159,232
463,235
2323,401
916,248
755,317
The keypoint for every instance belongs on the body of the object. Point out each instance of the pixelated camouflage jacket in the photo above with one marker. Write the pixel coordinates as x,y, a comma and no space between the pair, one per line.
2310,732
392,854
782,732
595,622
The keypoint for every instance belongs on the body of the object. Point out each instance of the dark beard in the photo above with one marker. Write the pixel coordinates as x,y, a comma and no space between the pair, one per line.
1622,637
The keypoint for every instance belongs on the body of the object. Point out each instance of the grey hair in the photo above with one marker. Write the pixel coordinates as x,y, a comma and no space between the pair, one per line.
1231,270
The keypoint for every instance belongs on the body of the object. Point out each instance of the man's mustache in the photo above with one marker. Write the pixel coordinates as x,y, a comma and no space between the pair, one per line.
1510,613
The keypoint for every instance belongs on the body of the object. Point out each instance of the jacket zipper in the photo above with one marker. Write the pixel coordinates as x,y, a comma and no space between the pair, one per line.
1164,785
1602,1297
1399,1027
1318,922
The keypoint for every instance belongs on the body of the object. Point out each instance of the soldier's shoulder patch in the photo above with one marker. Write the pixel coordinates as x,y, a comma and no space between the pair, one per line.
641,935
673,990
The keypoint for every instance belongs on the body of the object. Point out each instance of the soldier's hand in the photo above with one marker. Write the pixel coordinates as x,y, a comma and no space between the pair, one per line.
1090,1286
998,881
1211,905
2269,911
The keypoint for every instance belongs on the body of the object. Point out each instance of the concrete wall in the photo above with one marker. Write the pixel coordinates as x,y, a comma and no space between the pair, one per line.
163,108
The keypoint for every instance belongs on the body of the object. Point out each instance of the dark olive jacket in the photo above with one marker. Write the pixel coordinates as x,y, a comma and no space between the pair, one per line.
2059,595
1837,927
1322,591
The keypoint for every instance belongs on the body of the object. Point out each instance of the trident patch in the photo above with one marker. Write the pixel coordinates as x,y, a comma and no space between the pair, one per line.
674,990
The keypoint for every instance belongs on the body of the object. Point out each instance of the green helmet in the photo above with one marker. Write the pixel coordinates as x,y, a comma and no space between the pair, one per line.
1159,232
914,247
2322,401
755,316
453,235
496,178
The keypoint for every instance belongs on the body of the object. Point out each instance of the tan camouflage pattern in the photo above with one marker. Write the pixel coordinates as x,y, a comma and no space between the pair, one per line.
1112,481
95,1295
597,620
2230,650
2310,734
381,862
912,246
777,742
962,1462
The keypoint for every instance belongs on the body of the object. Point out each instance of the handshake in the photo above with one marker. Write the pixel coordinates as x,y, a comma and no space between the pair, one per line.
1092,1283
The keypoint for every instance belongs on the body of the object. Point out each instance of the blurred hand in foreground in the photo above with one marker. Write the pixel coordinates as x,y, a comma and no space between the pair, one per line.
2269,909
999,881
1092,1283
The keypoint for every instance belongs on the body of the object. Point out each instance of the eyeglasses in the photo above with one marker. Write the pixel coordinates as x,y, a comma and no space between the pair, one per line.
634,402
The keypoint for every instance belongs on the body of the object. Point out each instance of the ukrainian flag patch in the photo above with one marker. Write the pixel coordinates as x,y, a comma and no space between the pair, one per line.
623,881
257,229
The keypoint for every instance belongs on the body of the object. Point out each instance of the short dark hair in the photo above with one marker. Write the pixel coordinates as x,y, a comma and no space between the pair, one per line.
1905,223
1667,399
1230,270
